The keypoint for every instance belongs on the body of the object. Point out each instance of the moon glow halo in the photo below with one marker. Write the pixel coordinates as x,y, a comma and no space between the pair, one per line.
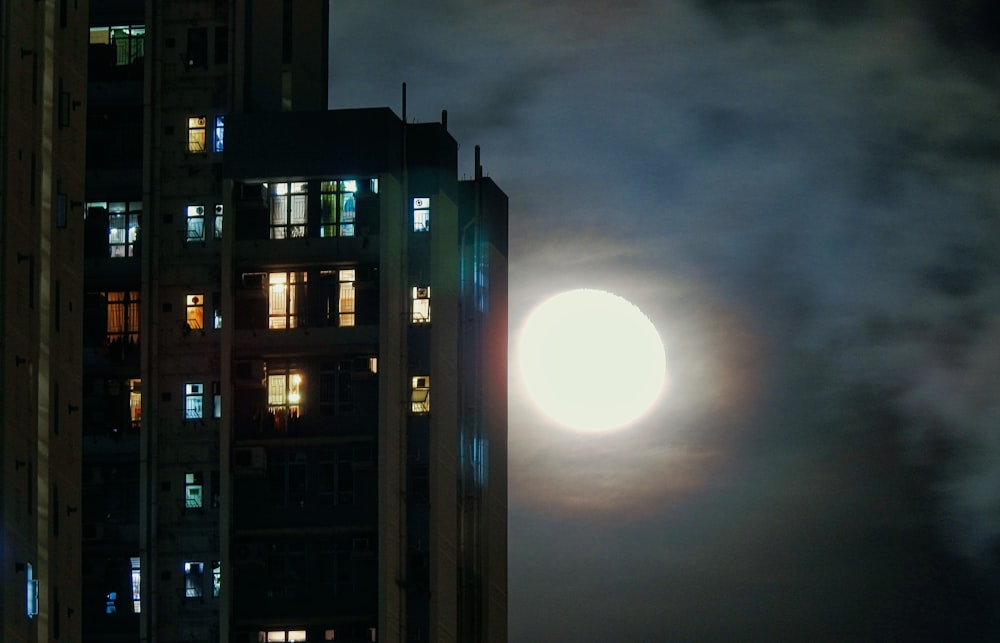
591,360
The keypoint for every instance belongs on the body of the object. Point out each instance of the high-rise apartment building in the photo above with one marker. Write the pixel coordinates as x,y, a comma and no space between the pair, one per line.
42,116
295,346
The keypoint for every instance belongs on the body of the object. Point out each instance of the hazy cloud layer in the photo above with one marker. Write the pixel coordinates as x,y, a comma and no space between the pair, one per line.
805,198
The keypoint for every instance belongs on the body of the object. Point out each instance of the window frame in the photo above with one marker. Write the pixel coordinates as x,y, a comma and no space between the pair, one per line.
194,581
218,133
194,401
287,478
133,37
335,196
285,200
286,299
347,298
194,306
197,139
420,394
135,403
126,243
420,307
284,398
124,326
194,222
194,482
217,223
421,214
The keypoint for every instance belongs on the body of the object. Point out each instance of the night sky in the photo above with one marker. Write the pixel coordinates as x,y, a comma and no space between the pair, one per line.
804,197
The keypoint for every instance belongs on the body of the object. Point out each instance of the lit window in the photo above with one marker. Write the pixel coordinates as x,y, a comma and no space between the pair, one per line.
220,130
127,41
337,215
196,135
216,578
217,400
288,209
192,490
193,401
195,223
281,636
123,316
110,603
420,394
194,573
123,226
285,298
347,296
373,364
217,224
136,584
195,311
216,310
135,402
421,313
31,588
422,214
284,394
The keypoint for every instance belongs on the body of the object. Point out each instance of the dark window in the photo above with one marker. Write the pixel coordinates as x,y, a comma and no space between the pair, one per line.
197,49
64,105
57,306
336,478
287,32
60,211
336,389
221,45
287,478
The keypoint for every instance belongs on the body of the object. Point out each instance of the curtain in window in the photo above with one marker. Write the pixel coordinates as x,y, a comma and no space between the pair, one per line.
116,315
123,316
132,317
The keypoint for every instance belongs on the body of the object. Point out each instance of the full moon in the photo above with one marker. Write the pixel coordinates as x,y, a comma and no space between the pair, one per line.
591,360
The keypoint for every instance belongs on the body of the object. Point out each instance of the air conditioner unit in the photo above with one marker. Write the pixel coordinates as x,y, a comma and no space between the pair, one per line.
255,280
200,210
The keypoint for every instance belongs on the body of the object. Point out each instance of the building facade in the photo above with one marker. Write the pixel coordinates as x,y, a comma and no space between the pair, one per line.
295,346
42,117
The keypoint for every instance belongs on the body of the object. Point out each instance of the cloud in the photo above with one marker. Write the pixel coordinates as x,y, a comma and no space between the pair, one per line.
803,197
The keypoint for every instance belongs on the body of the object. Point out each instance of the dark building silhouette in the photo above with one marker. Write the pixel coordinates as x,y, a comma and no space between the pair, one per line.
42,118
294,346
